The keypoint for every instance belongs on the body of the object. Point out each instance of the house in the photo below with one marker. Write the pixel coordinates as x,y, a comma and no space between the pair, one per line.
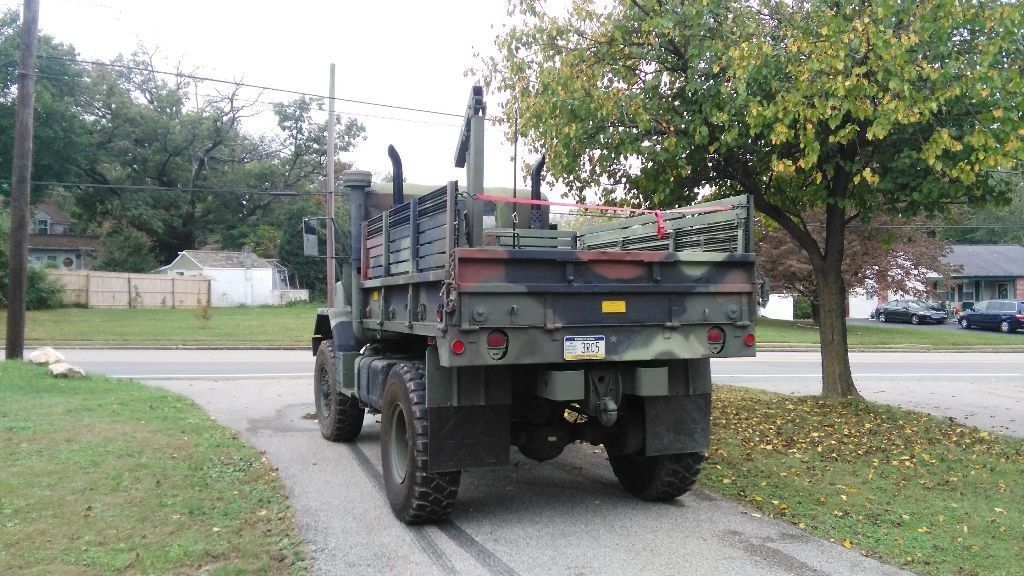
238,278
986,272
51,241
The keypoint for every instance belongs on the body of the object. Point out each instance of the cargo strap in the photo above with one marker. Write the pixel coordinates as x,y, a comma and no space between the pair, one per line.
659,215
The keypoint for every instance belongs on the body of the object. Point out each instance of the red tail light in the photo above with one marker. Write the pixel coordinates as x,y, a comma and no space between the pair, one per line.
750,340
458,346
497,339
716,340
1020,317
497,344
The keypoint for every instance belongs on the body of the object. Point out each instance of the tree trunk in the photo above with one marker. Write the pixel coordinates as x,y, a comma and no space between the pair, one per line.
815,310
836,378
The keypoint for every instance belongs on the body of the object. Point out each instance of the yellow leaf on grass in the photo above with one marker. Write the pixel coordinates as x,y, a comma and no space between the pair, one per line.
847,544
923,530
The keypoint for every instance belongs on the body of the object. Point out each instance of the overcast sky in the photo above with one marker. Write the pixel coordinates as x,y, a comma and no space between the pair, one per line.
408,53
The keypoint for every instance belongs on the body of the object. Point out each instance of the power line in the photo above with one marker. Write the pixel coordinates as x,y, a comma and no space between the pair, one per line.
176,188
266,104
247,85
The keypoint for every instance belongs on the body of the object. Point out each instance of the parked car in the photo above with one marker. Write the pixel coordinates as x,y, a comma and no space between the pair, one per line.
913,311
1003,315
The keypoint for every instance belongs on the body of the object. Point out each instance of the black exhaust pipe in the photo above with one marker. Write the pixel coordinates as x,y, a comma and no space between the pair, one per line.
397,180
535,178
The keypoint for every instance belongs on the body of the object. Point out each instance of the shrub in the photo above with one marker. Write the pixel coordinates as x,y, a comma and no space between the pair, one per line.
42,291
802,308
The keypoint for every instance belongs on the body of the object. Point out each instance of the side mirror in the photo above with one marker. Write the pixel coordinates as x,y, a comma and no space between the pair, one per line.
310,238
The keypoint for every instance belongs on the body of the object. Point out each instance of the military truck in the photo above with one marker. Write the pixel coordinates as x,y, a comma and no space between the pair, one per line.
468,339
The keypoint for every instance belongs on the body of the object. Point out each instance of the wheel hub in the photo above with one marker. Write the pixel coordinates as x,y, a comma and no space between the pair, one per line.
399,441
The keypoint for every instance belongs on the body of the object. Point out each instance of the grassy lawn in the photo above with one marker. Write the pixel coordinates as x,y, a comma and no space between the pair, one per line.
112,477
929,494
260,326
803,332
293,325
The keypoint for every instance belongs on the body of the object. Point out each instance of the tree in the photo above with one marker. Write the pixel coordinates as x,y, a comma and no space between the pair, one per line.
851,109
125,249
61,133
154,130
883,253
989,224
151,130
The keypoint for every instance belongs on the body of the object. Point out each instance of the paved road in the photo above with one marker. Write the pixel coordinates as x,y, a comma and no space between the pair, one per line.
985,390
982,389
564,517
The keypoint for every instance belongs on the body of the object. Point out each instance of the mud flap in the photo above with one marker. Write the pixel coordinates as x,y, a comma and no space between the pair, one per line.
468,437
677,424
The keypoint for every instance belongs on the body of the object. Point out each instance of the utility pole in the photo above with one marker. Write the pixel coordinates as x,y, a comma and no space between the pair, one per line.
17,266
330,194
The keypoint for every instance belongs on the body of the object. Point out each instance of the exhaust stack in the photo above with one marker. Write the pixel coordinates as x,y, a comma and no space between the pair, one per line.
397,178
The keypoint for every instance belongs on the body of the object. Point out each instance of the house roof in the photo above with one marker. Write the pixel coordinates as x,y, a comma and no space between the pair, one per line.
61,242
207,259
53,211
1005,260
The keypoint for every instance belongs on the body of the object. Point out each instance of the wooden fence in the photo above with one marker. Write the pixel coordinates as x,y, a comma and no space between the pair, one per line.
95,289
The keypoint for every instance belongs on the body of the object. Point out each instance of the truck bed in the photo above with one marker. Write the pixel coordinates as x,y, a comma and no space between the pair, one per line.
649,292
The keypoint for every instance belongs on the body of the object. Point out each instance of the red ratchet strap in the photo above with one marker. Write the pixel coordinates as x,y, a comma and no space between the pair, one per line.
659,215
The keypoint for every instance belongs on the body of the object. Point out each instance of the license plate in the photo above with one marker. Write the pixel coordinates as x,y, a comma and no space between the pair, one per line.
583,348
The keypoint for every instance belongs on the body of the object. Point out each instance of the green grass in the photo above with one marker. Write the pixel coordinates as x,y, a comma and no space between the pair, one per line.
293,325
260,326
804,333
112,477
927,493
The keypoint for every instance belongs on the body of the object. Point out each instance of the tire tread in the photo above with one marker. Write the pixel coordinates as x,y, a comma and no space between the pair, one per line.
658,478
433,493
346,419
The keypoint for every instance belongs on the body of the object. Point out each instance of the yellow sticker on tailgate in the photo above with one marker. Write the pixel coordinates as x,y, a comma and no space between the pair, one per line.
613,306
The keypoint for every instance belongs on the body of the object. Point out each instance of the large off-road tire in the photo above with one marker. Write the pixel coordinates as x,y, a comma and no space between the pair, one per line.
416,496
340,416
657,478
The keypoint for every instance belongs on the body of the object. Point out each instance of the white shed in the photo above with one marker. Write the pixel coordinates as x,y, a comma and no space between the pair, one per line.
237,278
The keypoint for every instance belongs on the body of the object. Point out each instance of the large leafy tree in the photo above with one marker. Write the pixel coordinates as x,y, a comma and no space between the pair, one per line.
149,129
849,108
889,254
1001,223
61,132
152,129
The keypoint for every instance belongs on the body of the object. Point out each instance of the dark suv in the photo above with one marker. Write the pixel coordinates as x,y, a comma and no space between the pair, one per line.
1004,315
